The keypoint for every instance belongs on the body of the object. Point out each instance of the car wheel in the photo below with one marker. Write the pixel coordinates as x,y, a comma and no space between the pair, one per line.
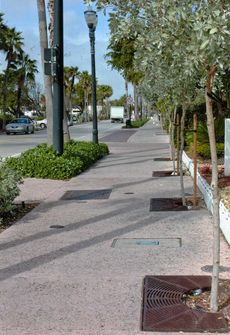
42,125
7,133
27,131
32,131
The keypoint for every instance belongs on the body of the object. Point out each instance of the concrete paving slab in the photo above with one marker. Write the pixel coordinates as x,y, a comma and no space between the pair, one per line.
71,280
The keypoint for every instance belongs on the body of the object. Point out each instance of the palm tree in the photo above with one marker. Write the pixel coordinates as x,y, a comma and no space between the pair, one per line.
47,79
3,29
26,69
70,75
104,92
12,44
85,81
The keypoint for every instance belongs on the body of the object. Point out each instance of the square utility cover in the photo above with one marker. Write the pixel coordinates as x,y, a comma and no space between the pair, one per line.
87,194
146,242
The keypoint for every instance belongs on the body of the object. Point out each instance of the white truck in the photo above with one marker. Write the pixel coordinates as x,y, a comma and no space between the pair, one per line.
117,114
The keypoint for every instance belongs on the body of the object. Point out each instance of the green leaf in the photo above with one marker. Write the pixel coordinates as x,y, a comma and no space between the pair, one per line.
213,31
204,44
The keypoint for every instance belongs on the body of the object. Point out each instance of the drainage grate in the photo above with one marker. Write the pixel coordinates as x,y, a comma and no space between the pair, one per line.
87,195
162,173
146,242
164,308
166,204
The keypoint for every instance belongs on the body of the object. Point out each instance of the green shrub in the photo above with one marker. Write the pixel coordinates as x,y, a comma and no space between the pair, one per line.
138,123
44,162
202,132
204,149
9,190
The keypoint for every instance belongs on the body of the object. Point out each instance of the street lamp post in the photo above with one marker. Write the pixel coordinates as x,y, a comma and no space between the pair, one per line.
91,20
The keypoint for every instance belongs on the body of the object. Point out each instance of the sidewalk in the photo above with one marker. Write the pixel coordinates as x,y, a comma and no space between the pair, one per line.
71,281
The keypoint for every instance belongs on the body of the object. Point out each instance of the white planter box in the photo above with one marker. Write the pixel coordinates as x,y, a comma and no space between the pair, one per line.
207,195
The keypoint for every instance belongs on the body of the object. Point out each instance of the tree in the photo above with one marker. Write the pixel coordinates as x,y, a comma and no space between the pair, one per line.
26,69
104,92
121,56
83,89
70,75
11,45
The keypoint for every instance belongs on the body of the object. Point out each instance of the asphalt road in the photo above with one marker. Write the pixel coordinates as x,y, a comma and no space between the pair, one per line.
11,145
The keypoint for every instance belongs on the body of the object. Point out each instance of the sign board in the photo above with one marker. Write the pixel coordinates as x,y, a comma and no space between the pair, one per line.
227,148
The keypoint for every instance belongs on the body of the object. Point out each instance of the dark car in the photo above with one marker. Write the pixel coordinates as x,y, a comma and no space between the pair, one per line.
20,126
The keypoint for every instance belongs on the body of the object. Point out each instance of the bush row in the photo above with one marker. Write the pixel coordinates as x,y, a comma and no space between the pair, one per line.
44,162
138,123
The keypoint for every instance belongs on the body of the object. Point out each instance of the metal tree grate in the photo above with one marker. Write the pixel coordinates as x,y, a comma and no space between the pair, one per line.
119,136
87,194
162,159
166,204
164,307
162,173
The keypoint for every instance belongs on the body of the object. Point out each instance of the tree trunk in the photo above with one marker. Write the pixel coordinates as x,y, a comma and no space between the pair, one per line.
126,100
47,79
19,95
215,192
135,102
141,107
178,142
184,109
172,140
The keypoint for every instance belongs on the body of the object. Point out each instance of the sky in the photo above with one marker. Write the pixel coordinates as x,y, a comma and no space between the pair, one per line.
22,14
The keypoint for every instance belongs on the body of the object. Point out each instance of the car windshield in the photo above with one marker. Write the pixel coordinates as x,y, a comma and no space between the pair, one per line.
19,121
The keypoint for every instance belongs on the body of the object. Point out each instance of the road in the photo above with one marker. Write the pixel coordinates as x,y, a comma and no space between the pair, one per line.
11,145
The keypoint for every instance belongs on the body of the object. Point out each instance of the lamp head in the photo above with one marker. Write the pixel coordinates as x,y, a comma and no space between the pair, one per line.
91,18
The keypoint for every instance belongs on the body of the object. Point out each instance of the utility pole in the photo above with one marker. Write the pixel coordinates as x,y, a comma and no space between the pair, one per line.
58,83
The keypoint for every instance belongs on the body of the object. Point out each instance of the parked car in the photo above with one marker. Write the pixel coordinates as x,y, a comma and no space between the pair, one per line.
41,123
20,126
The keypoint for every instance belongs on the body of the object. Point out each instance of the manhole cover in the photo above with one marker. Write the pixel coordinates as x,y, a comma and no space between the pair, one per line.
166,204
129,193
146,242
208,268
87,194
56,226
164,308
162,173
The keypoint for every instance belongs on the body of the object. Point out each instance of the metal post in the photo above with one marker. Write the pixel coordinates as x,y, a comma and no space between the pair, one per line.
94,94
178,143
58,84
195,159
